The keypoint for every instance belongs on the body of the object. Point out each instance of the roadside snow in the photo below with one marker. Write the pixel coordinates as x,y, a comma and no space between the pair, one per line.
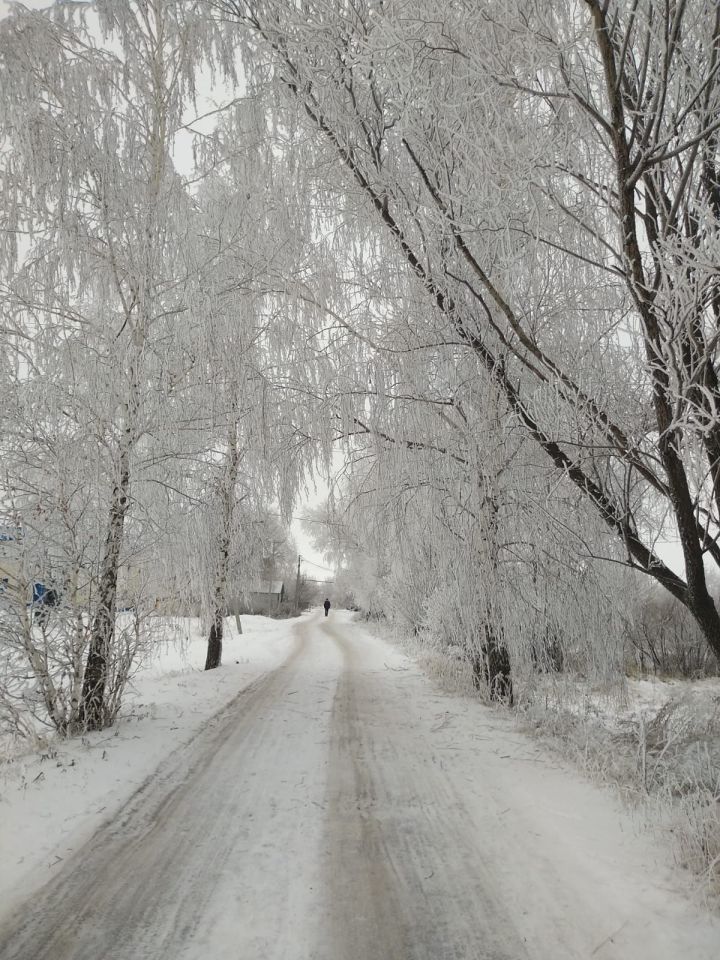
582,876
641,698
656,741
51,802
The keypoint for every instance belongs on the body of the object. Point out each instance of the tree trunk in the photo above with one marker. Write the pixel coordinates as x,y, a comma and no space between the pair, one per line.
491,669
498,676
702,606
91,715
214,651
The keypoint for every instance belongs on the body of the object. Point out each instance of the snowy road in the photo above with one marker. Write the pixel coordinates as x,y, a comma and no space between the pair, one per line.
341,808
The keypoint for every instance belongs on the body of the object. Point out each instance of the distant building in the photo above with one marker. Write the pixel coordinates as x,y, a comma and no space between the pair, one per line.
263,597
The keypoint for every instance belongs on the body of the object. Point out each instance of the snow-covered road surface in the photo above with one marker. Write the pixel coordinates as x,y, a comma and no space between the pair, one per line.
340,807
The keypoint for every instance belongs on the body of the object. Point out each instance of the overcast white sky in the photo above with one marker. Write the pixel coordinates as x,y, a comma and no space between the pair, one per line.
304,544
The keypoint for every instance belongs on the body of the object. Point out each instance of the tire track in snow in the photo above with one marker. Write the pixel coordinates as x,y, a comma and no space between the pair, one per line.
142,885
325,814
406,880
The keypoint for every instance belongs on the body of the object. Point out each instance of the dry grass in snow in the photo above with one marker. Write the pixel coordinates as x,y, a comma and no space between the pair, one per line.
657,742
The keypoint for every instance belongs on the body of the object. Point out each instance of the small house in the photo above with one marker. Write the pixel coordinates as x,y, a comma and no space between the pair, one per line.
265,596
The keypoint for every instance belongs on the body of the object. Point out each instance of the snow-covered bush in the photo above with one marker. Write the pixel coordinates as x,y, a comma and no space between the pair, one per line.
664,639
663,755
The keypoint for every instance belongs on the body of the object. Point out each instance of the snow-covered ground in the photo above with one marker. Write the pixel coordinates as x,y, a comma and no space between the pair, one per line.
651,694
640,697
51,801
657,742
345,807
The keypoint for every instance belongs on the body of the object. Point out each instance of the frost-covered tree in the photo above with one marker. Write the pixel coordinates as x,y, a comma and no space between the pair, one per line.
56,469
96,214
455,534
254,342
548,176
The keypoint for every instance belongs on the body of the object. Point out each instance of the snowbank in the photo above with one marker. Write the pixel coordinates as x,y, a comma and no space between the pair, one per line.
657,742
51,802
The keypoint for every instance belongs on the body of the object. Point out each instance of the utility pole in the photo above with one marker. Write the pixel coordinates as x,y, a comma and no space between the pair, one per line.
297,588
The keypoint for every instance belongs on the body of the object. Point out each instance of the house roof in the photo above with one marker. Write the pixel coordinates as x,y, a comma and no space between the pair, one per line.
267,586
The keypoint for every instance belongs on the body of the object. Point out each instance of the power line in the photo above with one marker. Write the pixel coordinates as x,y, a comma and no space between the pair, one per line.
312,563
328,523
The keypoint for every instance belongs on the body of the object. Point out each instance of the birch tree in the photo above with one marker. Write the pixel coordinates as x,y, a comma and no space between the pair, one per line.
548,176
253,232
450,530
94,98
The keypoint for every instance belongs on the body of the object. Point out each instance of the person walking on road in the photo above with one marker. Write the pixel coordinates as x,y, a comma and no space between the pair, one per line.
327,606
